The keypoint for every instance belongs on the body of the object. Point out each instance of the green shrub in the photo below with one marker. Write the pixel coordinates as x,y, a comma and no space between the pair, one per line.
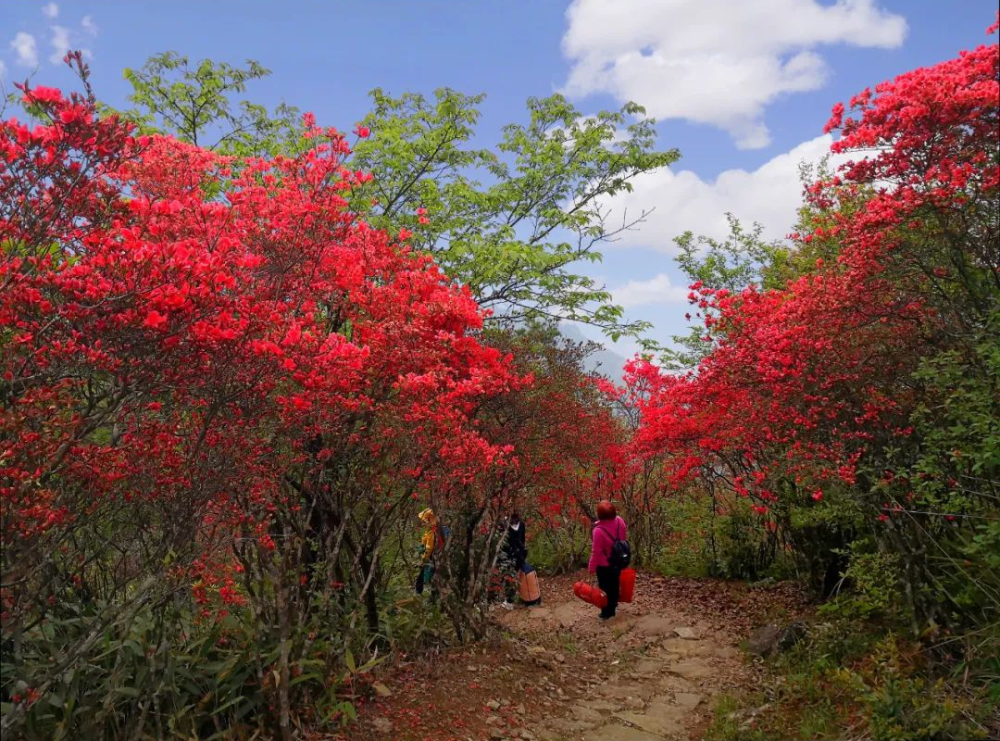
856,678
559,551
170,671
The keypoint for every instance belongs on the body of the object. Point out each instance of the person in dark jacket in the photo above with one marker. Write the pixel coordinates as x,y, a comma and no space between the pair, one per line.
608,528
512,557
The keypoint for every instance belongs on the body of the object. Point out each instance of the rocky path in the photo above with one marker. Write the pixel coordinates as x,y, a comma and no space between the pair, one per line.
557,673
650,674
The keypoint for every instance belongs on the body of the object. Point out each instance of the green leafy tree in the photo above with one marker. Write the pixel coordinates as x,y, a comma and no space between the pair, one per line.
513,223
195,103
744,258
740,260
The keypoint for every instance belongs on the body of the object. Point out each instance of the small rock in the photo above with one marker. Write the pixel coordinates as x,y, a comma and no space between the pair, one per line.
381,690
772,638
520,709
763,640
497,734
382,725
792,635
654,625
659,719
686,633
602,705
647,667
536,650
539,613
688,700
690,669
493,705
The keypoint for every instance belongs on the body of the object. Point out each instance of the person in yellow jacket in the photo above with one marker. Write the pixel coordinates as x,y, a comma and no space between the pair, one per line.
432,541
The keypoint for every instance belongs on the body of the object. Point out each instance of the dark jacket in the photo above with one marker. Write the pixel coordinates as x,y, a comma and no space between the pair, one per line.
514,545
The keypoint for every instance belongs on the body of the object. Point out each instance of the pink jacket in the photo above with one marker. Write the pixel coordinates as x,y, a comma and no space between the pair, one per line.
604,541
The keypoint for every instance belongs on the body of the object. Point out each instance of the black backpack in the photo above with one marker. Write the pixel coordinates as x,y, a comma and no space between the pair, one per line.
621,553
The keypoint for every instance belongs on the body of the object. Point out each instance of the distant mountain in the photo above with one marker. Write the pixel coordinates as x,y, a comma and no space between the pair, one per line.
604,361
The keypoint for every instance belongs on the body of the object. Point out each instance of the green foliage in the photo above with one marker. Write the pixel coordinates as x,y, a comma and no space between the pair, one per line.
947,485
685,549
559,551
196,104
740,260
507,223
745,547
731,721
874,578
717,536
821,534
735,263
512,223
163,673
958,464
167,672
853,678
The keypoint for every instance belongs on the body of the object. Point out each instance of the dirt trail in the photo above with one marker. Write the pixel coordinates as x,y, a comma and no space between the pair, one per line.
560,674
650,674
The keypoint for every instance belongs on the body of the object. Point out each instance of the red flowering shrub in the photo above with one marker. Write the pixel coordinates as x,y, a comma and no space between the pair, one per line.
229,398
563,439
823,387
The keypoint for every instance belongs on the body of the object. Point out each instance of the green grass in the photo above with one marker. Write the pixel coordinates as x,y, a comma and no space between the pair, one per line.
853,679
568,644
729,723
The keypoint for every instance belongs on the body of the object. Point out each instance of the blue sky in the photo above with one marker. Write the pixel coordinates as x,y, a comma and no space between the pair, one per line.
741,88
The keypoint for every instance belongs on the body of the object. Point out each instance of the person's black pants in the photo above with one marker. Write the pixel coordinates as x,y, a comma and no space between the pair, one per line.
608,580
424,577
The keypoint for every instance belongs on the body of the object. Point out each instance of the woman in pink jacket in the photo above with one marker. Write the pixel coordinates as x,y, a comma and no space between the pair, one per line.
608,528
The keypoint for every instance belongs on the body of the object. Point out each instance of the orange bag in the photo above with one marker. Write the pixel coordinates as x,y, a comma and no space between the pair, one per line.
626,585
590,593
530,591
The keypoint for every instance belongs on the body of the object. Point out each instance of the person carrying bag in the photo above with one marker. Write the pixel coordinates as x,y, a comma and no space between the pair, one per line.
610,553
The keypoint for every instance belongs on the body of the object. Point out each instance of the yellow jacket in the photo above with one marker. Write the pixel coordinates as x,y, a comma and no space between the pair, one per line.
429,538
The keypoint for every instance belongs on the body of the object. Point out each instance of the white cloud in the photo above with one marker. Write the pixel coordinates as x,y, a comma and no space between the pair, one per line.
657,290
25,48
51,10
60,44
717,62
63,39
770,195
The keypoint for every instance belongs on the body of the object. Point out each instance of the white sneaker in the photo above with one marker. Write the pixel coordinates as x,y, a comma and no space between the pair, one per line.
508,605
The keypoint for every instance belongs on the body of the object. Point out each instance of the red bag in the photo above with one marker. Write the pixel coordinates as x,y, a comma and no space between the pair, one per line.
626,585
590,593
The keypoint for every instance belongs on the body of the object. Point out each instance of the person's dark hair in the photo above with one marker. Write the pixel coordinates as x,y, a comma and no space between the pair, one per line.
606,511
515,517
